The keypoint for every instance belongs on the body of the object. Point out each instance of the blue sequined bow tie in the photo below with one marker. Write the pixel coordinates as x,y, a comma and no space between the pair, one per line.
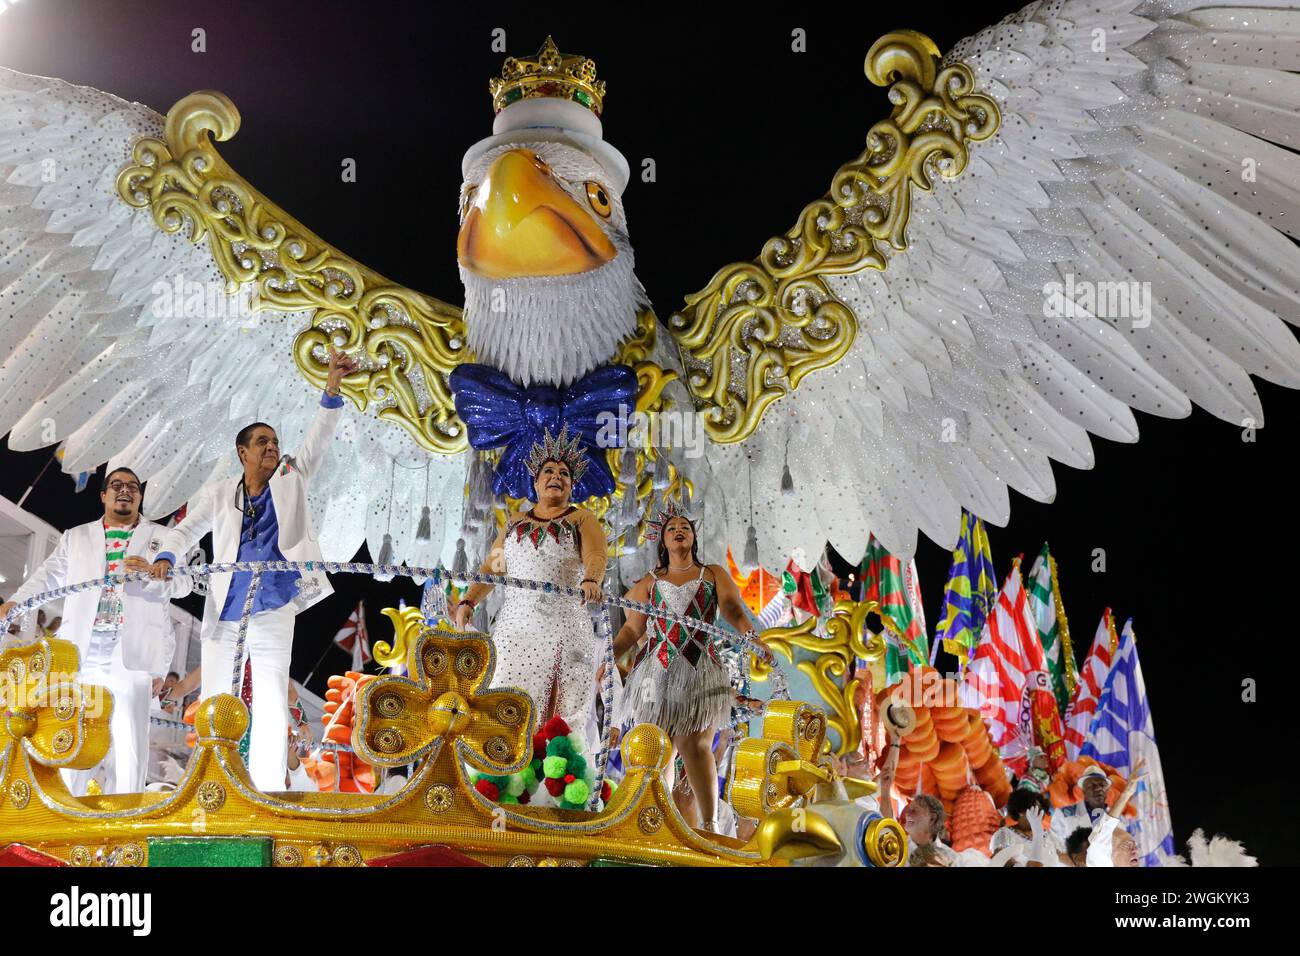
498,413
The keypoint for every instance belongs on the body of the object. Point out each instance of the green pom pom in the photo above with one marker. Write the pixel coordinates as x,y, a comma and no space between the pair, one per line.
555,767
559,747
507,798
501,783
529,776
515,785
577,793
577,744
577,766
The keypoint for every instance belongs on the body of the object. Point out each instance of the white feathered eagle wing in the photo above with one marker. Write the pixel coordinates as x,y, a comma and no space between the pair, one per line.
1140,142
91,360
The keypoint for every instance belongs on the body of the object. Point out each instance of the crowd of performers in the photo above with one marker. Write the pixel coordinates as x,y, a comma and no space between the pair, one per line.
670,675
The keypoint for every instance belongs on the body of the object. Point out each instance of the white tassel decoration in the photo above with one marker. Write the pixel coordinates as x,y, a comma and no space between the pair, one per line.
751,547
661,470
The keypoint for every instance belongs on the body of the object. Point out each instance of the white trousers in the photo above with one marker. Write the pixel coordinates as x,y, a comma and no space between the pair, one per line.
124,767
269,646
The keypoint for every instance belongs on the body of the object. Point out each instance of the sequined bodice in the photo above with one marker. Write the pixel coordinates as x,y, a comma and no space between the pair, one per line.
543,551
696,599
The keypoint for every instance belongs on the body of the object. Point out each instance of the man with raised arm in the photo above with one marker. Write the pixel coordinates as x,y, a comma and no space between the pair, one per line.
123,632
261,515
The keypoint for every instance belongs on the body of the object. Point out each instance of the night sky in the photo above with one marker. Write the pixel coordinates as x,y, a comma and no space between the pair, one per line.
1193,520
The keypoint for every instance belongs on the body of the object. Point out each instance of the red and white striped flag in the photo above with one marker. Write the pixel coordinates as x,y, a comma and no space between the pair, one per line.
1087,693
352,637
1008,669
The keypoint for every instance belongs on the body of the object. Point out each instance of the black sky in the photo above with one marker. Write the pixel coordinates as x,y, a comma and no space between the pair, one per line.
1195,522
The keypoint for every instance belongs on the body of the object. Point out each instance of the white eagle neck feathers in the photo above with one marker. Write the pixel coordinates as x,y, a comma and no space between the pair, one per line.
553,329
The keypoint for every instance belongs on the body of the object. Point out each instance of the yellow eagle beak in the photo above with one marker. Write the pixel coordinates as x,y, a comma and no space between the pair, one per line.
796,834
521,223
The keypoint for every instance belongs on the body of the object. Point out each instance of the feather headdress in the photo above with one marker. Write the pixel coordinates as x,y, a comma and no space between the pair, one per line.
564,448
654,528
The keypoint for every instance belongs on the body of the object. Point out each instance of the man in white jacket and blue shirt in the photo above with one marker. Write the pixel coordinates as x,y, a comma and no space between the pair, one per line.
262,515
123,632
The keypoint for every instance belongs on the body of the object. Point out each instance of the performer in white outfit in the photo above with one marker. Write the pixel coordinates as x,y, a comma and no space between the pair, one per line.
263,515
545,643
123,632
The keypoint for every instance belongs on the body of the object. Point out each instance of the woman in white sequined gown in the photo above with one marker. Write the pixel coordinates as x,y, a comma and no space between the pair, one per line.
678,680
545,643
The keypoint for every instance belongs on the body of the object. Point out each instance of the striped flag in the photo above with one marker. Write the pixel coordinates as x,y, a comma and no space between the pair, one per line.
1122,734
885,582
1053,629
1087,692
970,592
1007,671
352,637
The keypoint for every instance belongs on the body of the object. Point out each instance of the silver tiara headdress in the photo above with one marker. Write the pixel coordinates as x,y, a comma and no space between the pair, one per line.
654,528
564,448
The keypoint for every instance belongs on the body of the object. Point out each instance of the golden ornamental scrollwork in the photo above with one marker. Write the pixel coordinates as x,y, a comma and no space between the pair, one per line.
45,710
446,700
752,334
885,842
780,769
846,639
405,343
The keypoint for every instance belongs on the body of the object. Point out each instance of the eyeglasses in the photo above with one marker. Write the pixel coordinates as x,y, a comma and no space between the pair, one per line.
117,487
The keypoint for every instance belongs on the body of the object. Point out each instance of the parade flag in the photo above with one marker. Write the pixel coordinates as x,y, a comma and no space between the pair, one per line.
757,588
1123,733
83,477
970,592
352,637
885,582
1087,692
1053,629
1007,678
813,592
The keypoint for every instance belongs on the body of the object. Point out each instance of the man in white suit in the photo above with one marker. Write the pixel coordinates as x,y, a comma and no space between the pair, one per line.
262,515
123,632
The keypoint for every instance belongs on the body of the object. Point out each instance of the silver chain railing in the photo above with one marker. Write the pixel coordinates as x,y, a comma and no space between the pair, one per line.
440,576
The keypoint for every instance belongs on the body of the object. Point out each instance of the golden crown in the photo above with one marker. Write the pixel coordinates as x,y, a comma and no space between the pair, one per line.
550,73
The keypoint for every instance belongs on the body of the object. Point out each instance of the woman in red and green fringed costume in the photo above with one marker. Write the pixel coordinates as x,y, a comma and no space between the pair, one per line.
678,680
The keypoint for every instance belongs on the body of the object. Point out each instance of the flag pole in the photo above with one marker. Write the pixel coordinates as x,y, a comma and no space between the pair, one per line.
39,475
320,660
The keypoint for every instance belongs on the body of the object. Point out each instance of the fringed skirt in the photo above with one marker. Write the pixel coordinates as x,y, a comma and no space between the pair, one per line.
682,698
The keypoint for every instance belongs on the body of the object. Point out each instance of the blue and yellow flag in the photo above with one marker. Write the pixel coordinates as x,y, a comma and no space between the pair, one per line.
970,592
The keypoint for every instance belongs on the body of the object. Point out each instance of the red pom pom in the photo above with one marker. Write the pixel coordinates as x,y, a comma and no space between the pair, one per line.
525,797
539,744
605,791
556,727
554,786
487,788
569,778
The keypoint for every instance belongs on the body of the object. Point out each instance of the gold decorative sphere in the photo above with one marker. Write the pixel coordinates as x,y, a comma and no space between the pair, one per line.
222,717
449,715
20,723
646,747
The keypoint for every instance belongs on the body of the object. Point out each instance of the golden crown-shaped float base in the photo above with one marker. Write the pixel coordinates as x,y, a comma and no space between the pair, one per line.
438,807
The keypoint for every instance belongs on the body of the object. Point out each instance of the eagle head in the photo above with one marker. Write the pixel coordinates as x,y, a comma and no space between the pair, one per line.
550,285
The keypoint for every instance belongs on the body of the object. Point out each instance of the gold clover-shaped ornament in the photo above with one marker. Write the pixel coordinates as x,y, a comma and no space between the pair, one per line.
782,768
404,719
58,721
